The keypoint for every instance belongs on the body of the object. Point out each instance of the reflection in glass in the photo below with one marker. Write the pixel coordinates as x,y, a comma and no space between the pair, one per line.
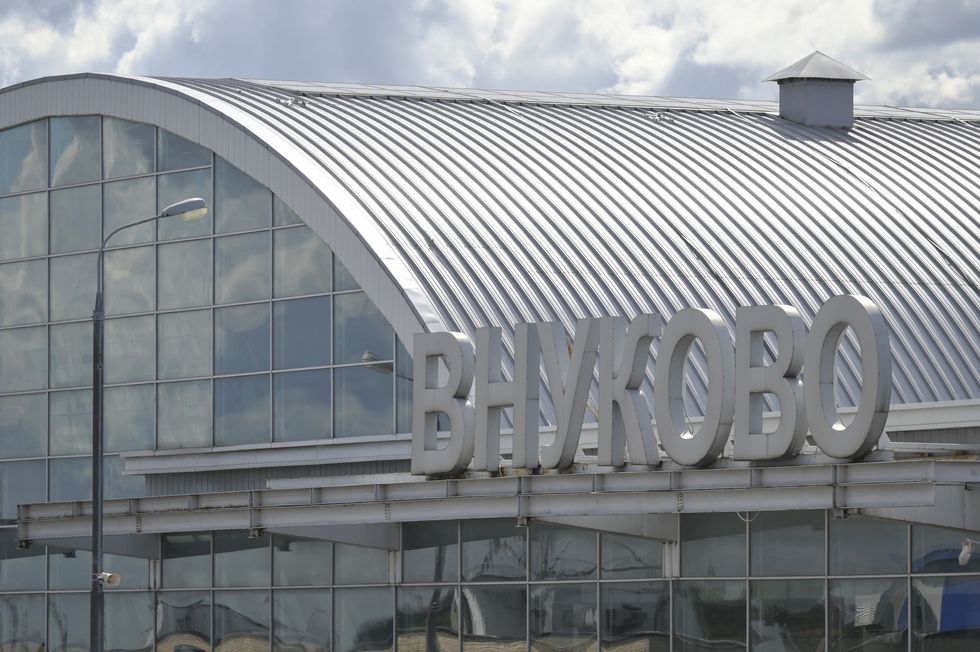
562,553
635,616
23,292
135,571
241,619
241,410
430,552
184,414
22,621
302,333
128,418
359,565
363,402
562,616
76,150
240,560
68,622
130,280
300,562
69,568
302,405
712,545
20,569
240,203
867,546
129,349
342,280
184,274
787,615
129,622
242,267
71,354
70,478
301,620
493,550
709,615
302,262
626,557
23,425
427,618
283,215
176,153
184,344
945,612
787,543
359,329
172,188
868,614
937,550
185,559
20,482
363,619
125,202
76,219
118,485
403,388
184,621
241,339
73,286
24,224
71,422
24,359
127,148
24,158
494,617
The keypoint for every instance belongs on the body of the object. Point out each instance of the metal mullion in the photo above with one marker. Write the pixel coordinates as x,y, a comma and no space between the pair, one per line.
748,574
908,585
826,580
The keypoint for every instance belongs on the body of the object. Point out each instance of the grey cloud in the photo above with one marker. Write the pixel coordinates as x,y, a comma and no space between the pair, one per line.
918,23
59,14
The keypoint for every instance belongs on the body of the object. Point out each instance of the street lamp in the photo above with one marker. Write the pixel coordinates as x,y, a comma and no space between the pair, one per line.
189,209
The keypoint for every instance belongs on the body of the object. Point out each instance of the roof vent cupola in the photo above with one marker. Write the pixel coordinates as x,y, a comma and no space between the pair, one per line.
817,91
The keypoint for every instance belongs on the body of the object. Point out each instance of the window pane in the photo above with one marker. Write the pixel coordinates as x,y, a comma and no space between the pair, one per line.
342,280
24,224
709,615
184,414
184,274
71,354
302,333
184,341
868,614
363,402
359,565
127,148
427,618
128,418
240,560
70,478
176,153
361,332
430,552
22,621
945,612
69,569
24,157
117,485
76,219
562,616
23,358
937,550
23,293
241,620
787,543
73,286
130,280
562,553
20,483
126,202
403,388
493,550
300,562
626,557
172,188
76,150
867,546
363,619
184,621
129,349
283,215
712,545
68,622
494,617
129,622
302,408
635,616
71,422
302,262
242,267
301,620
241,410
23,425
241,203
241,339
185,560
20,569
788,615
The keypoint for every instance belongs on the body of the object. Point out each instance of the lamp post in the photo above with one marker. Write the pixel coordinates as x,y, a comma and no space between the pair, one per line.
188,209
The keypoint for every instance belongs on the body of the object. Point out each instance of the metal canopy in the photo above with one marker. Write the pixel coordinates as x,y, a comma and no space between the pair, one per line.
817,65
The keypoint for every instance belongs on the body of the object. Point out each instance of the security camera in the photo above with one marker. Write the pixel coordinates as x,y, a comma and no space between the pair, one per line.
109,579
967,551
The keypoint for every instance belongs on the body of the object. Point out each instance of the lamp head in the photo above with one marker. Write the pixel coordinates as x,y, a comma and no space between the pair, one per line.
966,552
188,209
110,579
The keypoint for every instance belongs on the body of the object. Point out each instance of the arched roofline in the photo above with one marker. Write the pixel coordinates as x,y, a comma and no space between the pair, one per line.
258,150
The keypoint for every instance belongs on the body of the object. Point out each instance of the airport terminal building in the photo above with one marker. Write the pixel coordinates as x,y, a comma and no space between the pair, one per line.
263,489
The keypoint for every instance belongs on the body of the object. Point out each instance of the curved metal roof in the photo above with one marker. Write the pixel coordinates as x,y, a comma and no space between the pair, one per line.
509,207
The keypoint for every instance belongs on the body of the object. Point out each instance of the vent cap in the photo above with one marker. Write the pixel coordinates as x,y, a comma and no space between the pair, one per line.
817,91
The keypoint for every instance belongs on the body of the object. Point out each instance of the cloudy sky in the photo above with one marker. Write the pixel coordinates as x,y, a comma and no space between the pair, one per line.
917,52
